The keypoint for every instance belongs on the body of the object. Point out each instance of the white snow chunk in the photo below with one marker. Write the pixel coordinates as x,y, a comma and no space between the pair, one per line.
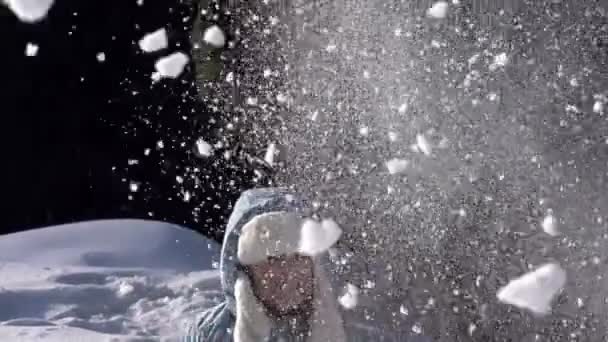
439,10
598,107
171,66
534,290
397,165
154,41
423,145
271,152
282,98
214,36
29,11
203,148
31,49
549,225
124,289
101,57
350,297
317,237
500,60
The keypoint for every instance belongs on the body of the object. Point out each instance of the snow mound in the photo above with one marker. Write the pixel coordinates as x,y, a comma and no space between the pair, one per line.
534,290
29,11
116,280
154,41
318,237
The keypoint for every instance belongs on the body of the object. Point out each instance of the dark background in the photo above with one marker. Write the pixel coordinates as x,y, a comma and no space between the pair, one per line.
75,130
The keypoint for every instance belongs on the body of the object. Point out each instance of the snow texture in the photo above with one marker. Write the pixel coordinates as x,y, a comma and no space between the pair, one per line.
171,66
318,237
116,280
154,41
534,290
214,36
29,11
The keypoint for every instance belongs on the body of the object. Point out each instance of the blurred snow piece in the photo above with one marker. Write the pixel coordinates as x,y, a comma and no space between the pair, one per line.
214,36
350,297
171,66
500,60
439,10
271,152
397,165
534,290
203,148
154,41
598,107
318,237
550,225
29,11
423,145
101,57
31,49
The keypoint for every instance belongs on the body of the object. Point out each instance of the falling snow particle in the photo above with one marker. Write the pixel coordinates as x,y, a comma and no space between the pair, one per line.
417,328
350,297
31,49
403,310
500,61
29,11
282,98
214,36
598,107
549,225
439,10
203,148
171,66
101,57
397,165
271,152
534,290
133,186
154,41
317,237
423,145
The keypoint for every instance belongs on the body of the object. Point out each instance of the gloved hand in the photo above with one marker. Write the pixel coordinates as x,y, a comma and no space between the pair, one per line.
252,323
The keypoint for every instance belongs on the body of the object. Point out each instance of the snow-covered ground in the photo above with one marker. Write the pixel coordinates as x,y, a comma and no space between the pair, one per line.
117,280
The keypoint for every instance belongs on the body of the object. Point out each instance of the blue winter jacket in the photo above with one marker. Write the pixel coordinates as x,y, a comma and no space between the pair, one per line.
216,324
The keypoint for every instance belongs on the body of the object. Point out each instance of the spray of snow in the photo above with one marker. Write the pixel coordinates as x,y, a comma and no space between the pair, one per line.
203,148
171,66
29,11
397,165
423,145
31,49
317,237
439,10
350,297
534,290
214,36
154,41
549,225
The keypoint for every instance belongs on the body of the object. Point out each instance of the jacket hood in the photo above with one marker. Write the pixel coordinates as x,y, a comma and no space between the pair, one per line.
252,203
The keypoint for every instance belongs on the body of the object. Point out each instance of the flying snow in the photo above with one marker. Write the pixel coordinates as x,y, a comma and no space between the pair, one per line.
500,60
317,237
31,49
534,290
154,41
203,148
423,145
397,165
171,66
101,57
214,36
350,297
271,152
439,10
29,11
549,225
